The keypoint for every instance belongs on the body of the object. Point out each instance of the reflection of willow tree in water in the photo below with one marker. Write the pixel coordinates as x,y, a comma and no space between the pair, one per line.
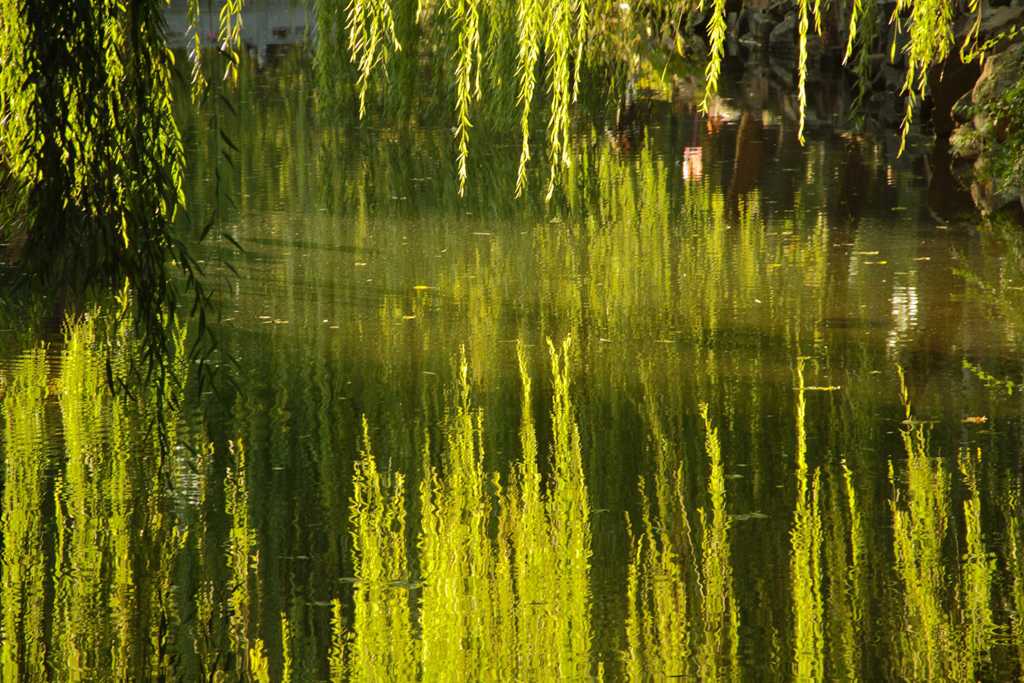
92,593
137,577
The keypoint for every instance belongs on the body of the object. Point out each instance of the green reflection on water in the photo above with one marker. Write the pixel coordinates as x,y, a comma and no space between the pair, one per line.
698,486
126,583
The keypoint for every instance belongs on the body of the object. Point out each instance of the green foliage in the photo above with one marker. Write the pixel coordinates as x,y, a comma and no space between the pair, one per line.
716,38
94,158
229,36
371,28
1006,148
930,38
563,35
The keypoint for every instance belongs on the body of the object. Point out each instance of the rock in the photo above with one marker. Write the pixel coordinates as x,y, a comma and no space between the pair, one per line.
1000,72
990,194
997,178
892,78
761,23
947,84
886,108
982,124
963,108
965,143
783,37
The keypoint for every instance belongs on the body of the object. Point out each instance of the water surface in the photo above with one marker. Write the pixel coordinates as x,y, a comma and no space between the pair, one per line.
726,407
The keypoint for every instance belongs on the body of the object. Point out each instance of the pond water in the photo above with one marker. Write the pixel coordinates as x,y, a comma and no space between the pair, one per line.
726,407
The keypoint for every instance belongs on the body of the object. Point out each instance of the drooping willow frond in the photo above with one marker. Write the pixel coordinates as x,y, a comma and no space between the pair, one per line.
229,36
467,18
971,39
371,27
195,50
96,159
582,19
801,68
855,12
716,37
529,22
557,47
931,37
863,32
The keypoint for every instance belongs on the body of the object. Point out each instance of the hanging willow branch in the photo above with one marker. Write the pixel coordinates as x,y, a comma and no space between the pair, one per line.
90,144
229,35
802,67
467,20
550,46
545,29
193,39
529,20
931,37
716,38
371,38
557,47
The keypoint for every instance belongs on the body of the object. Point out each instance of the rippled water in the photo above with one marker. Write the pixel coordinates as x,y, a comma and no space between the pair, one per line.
775,434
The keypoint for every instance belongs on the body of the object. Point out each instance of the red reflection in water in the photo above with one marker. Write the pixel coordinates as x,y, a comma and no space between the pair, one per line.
693,163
